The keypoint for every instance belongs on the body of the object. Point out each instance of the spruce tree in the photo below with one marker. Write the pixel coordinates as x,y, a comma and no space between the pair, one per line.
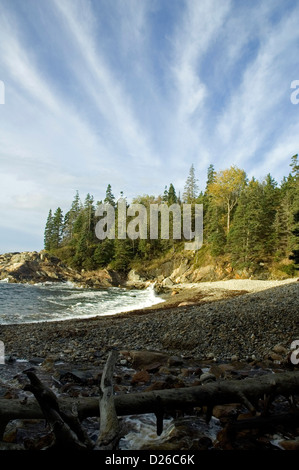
295,252
109,197
246,237
48,231
57,228
122,255
104,253
191,187
171,197
70,219
165,195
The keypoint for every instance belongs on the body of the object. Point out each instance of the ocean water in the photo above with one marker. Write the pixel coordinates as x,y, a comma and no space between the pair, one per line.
26,303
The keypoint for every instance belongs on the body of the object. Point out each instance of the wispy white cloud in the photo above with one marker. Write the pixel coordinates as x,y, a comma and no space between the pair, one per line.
194,36
133,92
254,112
110,97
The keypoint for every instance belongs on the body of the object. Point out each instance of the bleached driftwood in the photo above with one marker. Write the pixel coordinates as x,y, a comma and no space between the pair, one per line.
109,425
251,392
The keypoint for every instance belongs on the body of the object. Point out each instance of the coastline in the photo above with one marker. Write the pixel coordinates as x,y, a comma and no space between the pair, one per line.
222,319
219,334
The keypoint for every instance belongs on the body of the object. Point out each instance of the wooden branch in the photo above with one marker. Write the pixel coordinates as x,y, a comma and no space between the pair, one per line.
109,426
60,422
210,394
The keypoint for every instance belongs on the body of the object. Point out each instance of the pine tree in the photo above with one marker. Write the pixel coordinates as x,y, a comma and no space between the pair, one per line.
104,253
245,239
269,205
191,187
295,209
57,228
89,217
48,231
109,198
295,252
171,197
122,255
81,251
211,175
165,195
288,205
70,219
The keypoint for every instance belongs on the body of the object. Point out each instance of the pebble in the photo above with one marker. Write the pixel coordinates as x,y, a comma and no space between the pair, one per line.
240,327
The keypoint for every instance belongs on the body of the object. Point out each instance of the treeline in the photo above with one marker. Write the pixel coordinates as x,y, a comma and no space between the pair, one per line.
252,222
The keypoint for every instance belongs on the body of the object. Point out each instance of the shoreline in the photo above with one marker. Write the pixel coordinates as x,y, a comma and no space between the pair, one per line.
221,334
198,320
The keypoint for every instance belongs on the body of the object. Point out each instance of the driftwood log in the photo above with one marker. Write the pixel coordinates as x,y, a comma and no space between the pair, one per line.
254,393
65,425
109,425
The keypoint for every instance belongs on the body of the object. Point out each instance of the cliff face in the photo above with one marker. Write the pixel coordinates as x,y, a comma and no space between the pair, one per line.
177,272
34,267
182,270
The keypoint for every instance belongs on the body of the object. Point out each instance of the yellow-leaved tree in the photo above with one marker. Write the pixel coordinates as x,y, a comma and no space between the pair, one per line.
226,188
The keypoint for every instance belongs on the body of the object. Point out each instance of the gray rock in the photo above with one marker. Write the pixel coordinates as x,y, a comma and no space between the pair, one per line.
206,377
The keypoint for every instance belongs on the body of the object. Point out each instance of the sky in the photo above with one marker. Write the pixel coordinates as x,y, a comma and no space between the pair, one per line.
132,93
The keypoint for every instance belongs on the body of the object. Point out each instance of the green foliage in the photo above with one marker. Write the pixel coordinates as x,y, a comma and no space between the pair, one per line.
246,223
191,187
122,256
104,253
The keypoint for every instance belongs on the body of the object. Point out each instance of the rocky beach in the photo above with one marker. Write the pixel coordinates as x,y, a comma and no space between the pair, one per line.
228,329
237,318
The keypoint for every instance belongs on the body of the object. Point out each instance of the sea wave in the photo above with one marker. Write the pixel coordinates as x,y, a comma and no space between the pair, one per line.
54,302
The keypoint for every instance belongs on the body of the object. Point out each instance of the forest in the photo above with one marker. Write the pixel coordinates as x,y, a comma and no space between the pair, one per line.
249,222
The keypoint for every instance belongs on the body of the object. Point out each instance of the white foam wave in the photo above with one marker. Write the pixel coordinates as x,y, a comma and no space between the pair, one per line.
69,304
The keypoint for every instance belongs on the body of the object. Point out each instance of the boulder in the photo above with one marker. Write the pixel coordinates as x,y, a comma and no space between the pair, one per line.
167,282
146,360
141,376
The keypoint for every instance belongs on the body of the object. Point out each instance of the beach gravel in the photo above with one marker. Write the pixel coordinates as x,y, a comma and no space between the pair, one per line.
242,319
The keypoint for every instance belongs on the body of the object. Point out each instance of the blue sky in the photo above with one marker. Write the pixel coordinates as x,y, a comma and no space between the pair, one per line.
132,92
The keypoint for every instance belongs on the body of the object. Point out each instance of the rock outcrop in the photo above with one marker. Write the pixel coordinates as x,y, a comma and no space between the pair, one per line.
34,267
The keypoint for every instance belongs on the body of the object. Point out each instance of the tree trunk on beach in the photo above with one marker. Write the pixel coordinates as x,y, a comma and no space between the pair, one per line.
251,392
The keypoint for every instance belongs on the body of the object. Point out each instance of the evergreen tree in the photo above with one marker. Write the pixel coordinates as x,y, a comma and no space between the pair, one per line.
288,205
89,217
211,175
191,187
214,229
295,209
122,255
81,251
245,239
295,252
171,197
165,195
104,253
48,231
57,228
109,198
269,205
70,219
